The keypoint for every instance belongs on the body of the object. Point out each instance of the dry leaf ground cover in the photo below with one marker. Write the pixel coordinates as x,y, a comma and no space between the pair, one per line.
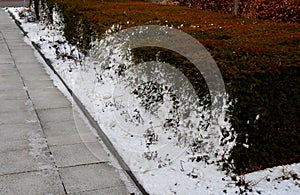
259,60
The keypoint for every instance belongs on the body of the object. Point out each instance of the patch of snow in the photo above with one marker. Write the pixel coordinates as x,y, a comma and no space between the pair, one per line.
40,151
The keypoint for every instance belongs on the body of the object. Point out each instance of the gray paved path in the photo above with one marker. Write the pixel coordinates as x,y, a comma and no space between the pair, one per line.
41,152
13,3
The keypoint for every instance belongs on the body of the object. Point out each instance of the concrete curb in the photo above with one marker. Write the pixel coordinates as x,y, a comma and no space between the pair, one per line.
91,120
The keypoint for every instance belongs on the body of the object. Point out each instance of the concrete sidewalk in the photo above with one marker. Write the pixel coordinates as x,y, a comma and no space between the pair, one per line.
41,151
13,3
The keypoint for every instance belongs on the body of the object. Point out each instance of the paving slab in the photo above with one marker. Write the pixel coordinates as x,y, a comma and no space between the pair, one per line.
28,72
13,94
55,114
3,49
10,82
22,54
5,59
7,66
14,132
14,145
5,55
35,77
92,177
7,28
45,93
17,45
35,157
33,84
64,154
13,3
11,38
14,105
70,139
17,161
10,85
11,79
8,70
44,98
60,128
7,63
18,117
33,183
64,126
13,34
105,191
22,66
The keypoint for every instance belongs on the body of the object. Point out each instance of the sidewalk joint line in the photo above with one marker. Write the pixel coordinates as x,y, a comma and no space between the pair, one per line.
21,172
83,164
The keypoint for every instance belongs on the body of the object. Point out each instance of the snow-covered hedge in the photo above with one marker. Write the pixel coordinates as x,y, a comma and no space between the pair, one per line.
261,74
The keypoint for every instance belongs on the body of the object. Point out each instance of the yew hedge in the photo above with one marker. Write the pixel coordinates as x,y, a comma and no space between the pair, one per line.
259,60
275,10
